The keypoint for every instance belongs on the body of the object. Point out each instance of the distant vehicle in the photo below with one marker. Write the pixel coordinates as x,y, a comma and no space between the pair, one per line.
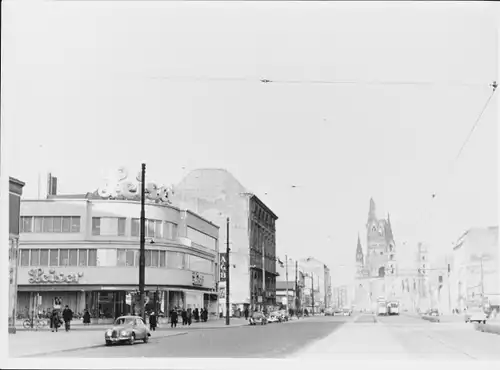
381,307
347,312
274,317
338,312
329,312
127,329
475,314
393,308
257,318
284,315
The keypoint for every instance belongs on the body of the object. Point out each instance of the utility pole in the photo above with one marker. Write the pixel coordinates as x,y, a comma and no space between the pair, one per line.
449,289
286,276
264,298
228,313
312,292
142,252
296,289
482,280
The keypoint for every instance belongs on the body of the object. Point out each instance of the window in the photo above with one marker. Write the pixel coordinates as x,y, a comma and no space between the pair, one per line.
147,256
121,259
121,226
26,224
66,224
162,258
150,228
92,257
38,224
53,256
130,258
75,224
158,229
82,257
154,258
200,264
25,257
48,224
135,227
57,224
175,260
35,257
44,257
106,257
169,230
96,226
64,257
73,256
201,238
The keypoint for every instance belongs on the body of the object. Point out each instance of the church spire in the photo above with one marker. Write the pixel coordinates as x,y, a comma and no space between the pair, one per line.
388,234
359,252
371,213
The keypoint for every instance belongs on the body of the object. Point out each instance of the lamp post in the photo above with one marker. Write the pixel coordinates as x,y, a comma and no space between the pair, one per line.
228,313
142,251
286,278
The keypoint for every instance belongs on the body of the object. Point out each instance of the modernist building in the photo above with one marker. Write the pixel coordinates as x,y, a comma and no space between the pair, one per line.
475,277
215,194
15,193
83,250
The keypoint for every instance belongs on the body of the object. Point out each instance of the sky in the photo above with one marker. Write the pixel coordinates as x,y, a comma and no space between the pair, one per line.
90,86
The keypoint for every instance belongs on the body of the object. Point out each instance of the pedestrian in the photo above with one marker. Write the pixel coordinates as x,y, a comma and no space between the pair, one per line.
246,313
55,320
67,317
196,315
189,316
205,315
173,318
86,317
184,317
153,321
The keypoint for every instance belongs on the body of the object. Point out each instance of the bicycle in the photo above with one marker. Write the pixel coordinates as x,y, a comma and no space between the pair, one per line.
36,323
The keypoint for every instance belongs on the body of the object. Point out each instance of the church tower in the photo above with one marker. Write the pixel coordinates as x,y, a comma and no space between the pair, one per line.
376,243
360,263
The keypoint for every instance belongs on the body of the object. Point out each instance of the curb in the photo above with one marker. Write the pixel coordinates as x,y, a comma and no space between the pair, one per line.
488,328
88,347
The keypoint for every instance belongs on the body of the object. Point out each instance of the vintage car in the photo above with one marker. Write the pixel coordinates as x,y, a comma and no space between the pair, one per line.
284,315
127,329
475,314
257,318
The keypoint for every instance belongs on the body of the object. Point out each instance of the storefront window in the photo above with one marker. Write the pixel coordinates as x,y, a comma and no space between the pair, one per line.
44,257
54,257
82,257
35,257
92,257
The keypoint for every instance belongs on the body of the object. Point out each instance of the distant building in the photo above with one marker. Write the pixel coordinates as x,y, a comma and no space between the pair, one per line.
15,193
475,268
216,194
377,267
322,281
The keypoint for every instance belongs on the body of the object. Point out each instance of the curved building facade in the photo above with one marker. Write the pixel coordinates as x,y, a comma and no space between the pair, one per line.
84,251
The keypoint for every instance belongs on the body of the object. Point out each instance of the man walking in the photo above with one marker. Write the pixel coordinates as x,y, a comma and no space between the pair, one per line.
173,318
67,317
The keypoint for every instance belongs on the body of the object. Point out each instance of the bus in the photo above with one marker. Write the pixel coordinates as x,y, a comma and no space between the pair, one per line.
393,308
381,307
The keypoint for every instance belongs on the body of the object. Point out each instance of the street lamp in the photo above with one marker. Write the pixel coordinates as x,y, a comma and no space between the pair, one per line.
142,251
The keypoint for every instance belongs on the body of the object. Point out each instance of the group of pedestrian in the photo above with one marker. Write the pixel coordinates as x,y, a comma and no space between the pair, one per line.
187,316
56,320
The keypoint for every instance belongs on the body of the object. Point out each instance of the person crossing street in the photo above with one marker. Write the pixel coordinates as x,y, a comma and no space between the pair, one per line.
67,317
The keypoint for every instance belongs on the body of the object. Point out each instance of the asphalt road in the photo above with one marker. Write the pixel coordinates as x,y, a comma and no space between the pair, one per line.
269,341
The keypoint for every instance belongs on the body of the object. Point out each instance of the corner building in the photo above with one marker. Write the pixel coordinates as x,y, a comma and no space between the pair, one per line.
216,194
84,251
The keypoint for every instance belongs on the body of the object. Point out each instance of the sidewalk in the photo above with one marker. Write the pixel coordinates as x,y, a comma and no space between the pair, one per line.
213,324
26,343
492,326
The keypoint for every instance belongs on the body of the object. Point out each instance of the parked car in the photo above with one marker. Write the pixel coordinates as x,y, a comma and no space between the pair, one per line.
284,315
329,312
476,314
127,329
433,312
257,318
347,312
274,317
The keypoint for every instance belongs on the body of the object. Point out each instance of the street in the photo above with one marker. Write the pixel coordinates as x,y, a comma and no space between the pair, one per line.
379,338
269,341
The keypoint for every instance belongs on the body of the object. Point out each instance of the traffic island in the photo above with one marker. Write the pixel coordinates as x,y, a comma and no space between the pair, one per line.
493,328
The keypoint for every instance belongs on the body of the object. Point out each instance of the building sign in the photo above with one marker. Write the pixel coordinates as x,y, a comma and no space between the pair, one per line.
197,279
120,185
223,266
38,276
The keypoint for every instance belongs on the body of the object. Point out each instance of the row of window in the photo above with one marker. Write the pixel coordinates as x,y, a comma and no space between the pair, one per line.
114,257
202,239
52,224
155,229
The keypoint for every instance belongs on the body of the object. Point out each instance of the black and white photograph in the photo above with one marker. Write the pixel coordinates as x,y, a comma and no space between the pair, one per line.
261,184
